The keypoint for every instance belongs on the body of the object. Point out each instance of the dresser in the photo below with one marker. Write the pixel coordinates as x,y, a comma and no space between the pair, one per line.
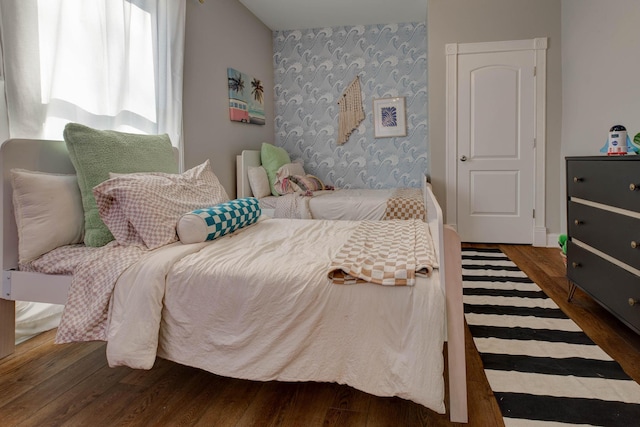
603,230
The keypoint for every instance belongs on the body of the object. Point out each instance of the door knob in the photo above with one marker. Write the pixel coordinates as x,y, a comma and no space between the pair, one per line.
463,158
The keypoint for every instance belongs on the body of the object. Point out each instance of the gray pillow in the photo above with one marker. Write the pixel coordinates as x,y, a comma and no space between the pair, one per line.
95,153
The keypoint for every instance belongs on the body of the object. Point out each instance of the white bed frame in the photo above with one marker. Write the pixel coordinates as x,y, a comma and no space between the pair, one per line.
52,156
245,160
38,155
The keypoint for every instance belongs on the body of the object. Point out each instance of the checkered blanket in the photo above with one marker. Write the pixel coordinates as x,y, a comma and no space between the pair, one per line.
406,203
386,253
85,317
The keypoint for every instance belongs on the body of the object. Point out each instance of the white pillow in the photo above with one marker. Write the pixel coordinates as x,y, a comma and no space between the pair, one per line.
145,207
258,181
48,211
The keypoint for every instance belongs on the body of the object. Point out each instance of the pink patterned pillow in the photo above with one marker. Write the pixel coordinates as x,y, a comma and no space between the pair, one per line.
144,208
299,183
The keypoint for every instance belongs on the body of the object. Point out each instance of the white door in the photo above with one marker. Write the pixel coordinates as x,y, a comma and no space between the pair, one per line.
495,147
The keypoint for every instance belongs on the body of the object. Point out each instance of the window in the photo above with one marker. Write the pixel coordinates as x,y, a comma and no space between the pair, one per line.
102,63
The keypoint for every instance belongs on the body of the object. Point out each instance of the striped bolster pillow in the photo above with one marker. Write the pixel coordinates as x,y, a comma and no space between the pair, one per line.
210,223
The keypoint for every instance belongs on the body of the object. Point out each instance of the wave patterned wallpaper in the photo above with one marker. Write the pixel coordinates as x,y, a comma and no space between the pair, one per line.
312,69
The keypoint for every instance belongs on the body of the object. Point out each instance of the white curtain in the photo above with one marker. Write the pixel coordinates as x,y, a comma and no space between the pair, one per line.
108,64
4,121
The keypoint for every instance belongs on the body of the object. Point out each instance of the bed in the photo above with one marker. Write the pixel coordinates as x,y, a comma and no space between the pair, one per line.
340,204
289,325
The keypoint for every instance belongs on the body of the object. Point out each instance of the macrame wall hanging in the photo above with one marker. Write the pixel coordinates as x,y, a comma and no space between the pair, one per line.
351,112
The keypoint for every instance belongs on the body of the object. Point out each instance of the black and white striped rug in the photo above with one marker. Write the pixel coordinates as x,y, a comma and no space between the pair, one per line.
541,367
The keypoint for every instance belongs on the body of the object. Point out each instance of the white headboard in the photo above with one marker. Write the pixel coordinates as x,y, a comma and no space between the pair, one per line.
243,161
31,154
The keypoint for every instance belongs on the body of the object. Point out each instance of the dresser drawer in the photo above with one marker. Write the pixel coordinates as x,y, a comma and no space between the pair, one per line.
605,181
610,232
607,283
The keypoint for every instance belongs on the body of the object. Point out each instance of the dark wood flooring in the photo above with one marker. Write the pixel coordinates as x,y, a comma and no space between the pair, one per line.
44,384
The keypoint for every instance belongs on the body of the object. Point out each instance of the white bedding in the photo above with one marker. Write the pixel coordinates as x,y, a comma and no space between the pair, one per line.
351,204
341,204
226,307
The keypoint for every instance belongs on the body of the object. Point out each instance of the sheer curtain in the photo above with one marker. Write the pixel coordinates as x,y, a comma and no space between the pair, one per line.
109,64
4,121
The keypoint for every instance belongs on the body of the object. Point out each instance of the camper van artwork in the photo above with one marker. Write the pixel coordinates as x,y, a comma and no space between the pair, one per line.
618,143
246,98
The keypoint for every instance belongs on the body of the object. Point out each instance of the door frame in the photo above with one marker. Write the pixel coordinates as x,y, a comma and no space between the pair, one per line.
453,50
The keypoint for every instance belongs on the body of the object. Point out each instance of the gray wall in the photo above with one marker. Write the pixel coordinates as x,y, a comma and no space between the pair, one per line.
601,70
221,34
312,69
4,118
467,21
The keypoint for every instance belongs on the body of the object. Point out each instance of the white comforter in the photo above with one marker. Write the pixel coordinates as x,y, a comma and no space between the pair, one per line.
343,204
352,204
258,305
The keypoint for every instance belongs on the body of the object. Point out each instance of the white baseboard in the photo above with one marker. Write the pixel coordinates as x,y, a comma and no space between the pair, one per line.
540,236
552,240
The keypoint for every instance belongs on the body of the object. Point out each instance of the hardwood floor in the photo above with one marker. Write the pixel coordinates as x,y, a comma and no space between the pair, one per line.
45,384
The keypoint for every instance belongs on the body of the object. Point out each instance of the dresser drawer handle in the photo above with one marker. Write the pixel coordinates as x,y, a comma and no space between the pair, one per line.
577,179
633,187
633,301
578,222
575,264
634,244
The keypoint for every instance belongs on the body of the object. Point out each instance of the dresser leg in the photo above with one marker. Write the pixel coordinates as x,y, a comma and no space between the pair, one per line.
572,290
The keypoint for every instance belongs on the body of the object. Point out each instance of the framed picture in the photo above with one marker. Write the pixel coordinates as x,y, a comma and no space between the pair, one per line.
246,98
389,118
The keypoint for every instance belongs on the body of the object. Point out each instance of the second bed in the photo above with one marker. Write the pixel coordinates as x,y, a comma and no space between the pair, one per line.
339,204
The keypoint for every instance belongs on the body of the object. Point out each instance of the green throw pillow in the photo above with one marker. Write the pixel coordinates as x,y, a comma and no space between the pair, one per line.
272,158
95,153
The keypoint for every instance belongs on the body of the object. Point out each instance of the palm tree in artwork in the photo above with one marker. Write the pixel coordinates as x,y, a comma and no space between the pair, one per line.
236,83
257,90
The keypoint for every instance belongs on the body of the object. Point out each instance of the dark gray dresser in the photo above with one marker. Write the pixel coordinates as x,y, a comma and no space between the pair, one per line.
603,227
